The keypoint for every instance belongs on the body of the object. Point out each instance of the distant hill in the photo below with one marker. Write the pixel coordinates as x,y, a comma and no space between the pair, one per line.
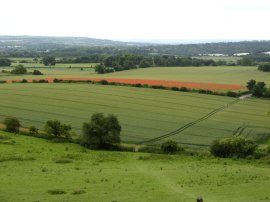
78,46
44,42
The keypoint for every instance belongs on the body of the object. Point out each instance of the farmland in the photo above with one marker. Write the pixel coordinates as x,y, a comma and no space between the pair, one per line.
32,168
223,75
220,75
143,113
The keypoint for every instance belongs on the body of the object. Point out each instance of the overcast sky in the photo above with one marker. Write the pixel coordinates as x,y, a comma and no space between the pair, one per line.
138,19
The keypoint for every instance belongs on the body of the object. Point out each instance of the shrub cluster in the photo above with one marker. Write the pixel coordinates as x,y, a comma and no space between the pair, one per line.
258,89
12,124
233,147
20,69
264,67
170,147
101,132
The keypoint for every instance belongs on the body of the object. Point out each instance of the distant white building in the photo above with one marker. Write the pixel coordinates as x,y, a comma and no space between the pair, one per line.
240,54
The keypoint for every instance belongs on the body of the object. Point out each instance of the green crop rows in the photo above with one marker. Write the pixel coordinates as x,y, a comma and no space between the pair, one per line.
143,113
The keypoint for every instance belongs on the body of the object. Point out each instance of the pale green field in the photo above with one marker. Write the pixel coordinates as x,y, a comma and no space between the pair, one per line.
71,65
223,75
217,58
143,113
28,170
31,64
50,73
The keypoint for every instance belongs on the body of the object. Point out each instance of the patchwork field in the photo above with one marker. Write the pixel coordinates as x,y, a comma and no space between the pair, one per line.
33,169
215,75
145,114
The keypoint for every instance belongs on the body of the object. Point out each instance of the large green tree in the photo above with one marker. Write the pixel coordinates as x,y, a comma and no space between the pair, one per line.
12,124
250,84
49,60
4,62
101,132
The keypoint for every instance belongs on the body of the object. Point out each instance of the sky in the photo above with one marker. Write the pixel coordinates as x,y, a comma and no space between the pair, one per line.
138,20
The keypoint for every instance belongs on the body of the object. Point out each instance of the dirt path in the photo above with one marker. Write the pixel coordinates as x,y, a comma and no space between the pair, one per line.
245,96
2,126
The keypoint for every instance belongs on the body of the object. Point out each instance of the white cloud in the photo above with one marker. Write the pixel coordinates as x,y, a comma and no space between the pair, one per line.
140,19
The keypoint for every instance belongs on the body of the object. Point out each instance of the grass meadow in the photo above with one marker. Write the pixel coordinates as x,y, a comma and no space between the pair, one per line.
143,113
33,169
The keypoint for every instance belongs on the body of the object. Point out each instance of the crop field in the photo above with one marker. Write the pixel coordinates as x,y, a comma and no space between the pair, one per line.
221,75
33,169
50,73
146,115
212,78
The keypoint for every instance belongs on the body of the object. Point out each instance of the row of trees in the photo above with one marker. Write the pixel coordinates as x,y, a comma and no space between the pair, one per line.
264,67
125,62
101,132
20,69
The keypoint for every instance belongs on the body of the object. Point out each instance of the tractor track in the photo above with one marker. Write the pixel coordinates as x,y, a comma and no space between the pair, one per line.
190,124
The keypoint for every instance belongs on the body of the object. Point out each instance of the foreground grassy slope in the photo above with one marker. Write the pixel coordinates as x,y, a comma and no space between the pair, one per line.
29,169
143,113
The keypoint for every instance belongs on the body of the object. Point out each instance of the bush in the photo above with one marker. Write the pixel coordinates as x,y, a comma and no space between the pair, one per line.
54,127
264,67
33,131
12,124
233,147
175,88
169,147
101,132
103,82
232,94
41,81
4,62
37,72
24,81
20,69
184,89
56,191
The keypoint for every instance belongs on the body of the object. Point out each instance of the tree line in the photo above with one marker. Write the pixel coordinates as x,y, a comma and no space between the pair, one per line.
101,132
124,62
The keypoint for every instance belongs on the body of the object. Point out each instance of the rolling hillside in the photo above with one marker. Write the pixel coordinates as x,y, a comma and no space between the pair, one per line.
38,170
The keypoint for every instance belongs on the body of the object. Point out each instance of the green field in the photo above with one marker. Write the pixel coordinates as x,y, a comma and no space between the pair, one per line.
50,73
232,59
143,113
224,75
69,65
29,170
